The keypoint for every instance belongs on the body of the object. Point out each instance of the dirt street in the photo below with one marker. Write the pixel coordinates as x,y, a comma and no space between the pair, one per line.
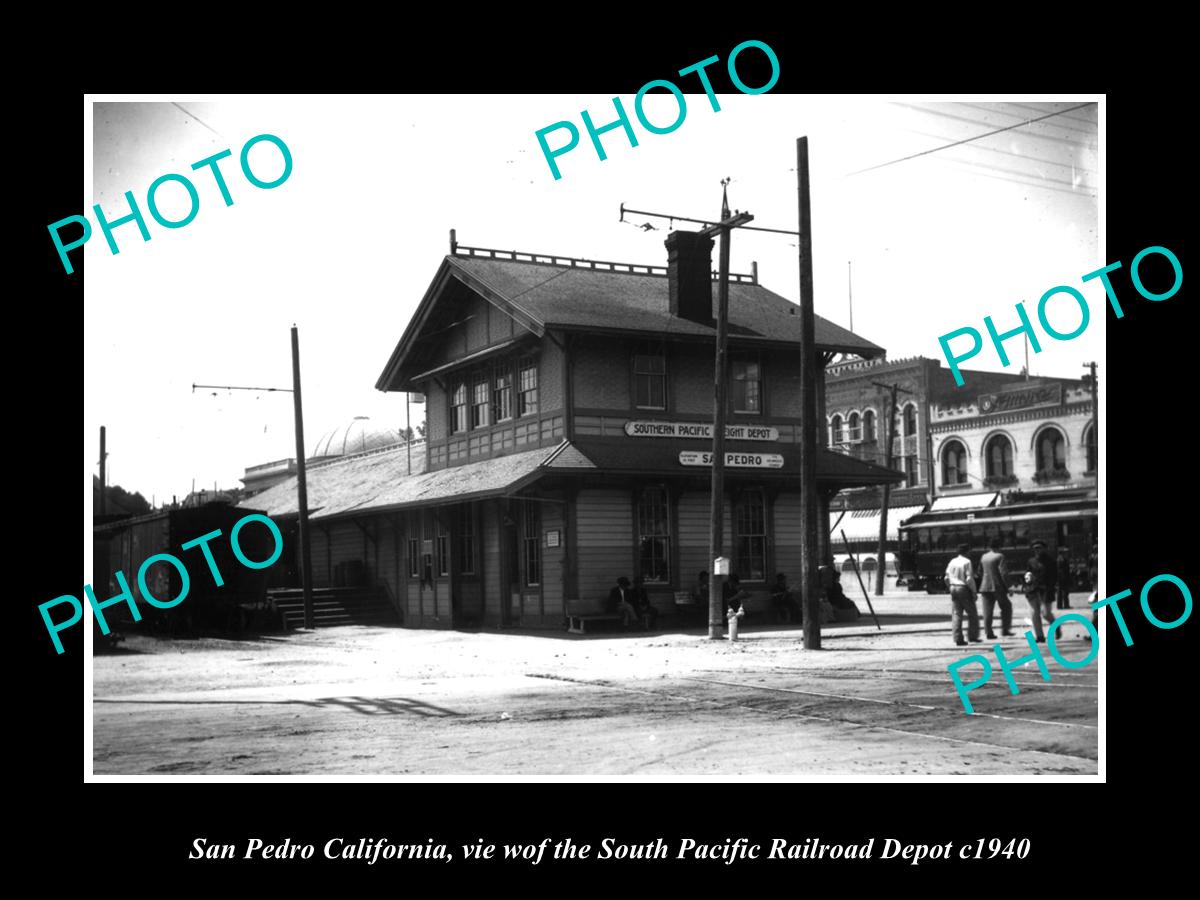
392,701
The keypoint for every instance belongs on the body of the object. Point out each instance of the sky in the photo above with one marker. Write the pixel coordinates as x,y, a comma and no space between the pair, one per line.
346,247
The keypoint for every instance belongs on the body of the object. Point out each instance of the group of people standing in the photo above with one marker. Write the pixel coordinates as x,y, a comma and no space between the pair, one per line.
1044,588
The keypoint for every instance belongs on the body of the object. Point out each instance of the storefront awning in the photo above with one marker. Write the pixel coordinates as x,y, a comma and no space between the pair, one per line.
863,524
964,501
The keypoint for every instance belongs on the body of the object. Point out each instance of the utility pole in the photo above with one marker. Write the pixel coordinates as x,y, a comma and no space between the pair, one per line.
723,228
301,475
302,485
850,291
930,469
1092,382
716,531
103,472
881,566
809,576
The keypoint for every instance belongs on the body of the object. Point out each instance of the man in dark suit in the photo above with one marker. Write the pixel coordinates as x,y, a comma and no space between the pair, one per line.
641,603
783,601
1039,579
1063,578
993,589
620,601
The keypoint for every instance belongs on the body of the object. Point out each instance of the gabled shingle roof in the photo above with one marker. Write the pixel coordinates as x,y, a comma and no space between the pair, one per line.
571,297
542,295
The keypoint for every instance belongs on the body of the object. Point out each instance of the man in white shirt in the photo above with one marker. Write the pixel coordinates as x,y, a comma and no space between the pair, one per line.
961,579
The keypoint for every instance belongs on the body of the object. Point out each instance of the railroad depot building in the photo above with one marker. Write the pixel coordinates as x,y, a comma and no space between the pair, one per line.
999,439
568,430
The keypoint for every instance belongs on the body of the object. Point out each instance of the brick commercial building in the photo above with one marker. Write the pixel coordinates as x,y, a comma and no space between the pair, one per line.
1000,439
567,438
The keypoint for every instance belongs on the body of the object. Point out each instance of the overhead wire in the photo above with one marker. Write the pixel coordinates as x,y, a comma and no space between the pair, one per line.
977,137
197,118
1032,159
1075,134
1091,122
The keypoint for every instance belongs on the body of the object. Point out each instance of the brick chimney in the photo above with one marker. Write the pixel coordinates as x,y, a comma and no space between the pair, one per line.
689,273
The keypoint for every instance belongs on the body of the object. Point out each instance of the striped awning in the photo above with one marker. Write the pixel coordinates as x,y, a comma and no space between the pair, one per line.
863,524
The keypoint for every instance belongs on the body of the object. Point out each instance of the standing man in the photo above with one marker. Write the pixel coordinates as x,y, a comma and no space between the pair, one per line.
994,589
961,580
1063,579
1038,588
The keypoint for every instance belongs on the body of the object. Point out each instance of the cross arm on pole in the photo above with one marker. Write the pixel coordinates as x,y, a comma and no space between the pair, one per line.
705,222
732,222
234,387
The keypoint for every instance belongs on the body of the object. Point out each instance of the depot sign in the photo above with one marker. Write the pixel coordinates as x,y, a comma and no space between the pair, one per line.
702,430
733,460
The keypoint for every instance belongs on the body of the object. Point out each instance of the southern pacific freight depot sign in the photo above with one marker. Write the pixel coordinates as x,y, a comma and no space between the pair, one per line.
733,460
701,430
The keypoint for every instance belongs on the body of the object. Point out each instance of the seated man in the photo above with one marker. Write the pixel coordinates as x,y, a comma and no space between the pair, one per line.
844,609
620,601
783,601
641,603
699,606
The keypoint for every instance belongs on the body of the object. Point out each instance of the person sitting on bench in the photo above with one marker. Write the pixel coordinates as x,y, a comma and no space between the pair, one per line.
844,609
642,605
620,602
700,593
783,601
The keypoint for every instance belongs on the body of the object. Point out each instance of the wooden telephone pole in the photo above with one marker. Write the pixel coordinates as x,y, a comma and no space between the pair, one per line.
302,486
1094,385
809,562
716,530
103,472
881,566
301,475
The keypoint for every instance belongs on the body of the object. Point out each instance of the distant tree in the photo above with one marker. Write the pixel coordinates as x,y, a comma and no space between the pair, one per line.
119,500
406,434
421,430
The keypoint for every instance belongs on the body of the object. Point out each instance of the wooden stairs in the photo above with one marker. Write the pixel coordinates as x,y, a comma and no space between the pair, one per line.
336,606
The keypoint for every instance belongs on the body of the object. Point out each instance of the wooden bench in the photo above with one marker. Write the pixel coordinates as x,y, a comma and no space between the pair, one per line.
687,607
581,614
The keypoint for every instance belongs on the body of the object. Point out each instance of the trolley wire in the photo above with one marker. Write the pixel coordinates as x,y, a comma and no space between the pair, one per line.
970,139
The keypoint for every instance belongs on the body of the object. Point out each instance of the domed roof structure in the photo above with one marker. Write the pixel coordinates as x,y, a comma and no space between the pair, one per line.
354,437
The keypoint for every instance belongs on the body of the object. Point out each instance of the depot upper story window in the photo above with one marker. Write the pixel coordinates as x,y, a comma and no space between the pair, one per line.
745,384
650,376
485,396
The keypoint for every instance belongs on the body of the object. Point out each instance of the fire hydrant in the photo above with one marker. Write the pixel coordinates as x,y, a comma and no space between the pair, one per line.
733,616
